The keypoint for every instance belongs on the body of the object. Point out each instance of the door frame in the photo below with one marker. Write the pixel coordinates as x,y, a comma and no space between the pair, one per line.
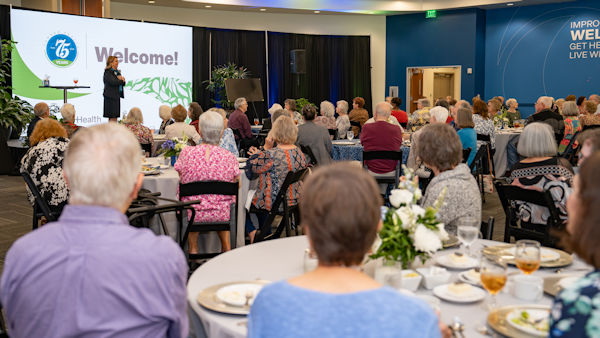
408,76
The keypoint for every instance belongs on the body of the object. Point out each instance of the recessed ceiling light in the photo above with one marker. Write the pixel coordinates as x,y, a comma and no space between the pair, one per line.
263,9
317,12
151,1
207,6
510,4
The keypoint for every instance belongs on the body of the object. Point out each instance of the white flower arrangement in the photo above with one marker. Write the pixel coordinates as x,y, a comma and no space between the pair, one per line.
410,231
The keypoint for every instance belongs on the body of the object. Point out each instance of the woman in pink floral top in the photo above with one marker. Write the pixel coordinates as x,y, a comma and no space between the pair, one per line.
209,162
134,121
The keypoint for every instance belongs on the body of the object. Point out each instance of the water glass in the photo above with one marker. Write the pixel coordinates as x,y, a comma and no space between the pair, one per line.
468,232
350,135
493,277
389,274
528,255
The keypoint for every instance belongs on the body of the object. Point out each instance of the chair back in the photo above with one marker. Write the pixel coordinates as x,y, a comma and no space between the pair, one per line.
308,152
487,229
147,147
40,202
590,126
356,124
520,229
466,153
384,155
483,137
333,132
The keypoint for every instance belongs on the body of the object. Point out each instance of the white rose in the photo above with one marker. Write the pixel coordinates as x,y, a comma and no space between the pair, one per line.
417,210
399,197
426,240
406,216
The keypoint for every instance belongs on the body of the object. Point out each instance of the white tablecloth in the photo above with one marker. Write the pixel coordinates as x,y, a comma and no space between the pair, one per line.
503,137
167,182
283,258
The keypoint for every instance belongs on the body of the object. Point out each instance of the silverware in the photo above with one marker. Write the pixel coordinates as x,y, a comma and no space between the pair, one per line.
559,270
458,326
248,297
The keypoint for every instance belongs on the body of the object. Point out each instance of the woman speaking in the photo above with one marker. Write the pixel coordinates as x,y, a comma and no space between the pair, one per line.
113,89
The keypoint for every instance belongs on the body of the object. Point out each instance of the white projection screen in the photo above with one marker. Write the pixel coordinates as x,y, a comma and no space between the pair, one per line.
155,59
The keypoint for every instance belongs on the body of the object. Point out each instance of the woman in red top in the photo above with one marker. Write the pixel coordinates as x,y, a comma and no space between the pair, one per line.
398,113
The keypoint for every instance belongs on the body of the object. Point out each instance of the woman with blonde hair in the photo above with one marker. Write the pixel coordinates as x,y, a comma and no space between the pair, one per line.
113,89
43,162
134,121
180,129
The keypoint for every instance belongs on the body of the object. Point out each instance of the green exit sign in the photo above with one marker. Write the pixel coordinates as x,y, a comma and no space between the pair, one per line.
432,13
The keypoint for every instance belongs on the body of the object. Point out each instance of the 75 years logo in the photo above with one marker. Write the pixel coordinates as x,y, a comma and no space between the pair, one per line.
61,50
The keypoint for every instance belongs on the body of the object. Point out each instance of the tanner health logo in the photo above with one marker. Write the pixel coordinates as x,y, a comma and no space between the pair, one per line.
61,50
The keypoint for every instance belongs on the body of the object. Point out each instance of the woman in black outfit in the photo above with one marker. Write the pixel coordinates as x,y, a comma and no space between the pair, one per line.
113,89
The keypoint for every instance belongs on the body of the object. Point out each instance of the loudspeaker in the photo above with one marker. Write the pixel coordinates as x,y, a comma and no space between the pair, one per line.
298,61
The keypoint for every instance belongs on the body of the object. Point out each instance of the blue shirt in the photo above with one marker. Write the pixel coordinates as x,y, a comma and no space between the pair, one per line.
285,310
468,138
92,274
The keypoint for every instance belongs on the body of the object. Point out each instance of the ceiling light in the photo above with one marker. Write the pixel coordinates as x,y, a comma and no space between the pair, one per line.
263,9
510,4
208,6
317,12
151,1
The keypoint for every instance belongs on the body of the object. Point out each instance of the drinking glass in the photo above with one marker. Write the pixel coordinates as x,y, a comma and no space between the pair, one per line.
310,260
350,135
75,80
468,232
256,121
493,277
528,255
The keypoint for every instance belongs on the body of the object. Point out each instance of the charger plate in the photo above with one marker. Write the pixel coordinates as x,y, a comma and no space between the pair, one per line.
498,251
498,322
208,298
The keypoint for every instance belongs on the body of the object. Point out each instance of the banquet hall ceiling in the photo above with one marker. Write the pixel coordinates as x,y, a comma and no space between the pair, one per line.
367,7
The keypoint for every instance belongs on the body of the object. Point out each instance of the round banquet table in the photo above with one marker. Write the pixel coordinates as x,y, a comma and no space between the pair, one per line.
503,137
283,258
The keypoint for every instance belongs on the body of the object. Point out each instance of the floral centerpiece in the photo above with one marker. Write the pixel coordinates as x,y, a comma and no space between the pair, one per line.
501,120
410,231
173,147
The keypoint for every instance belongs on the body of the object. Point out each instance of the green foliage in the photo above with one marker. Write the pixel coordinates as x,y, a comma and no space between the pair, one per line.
14,112
170,91
216,84
301,102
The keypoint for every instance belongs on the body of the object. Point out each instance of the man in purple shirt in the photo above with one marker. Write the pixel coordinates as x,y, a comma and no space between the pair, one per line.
91,274
381,135
238,119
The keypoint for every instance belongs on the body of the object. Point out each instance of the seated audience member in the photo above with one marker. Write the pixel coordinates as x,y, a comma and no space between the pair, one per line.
239,121
342,123
572,125
164,112
544,113
44,161
575,309
596,99
466,133
326,118
494,107
67,111
398,113
421,116
41,111
541,170
339,299
358,114
209,162
134,121
180,129
381,135
91,274
227,139
589,117
571,98
391,119
440,149
590,142
194,112
272,165
484,125
442,103
268,123
436,115
580,101
314,136
559,105
512,112
290,106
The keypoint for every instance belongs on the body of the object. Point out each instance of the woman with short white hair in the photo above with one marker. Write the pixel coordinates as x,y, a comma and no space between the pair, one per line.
326,118
342,123
512,112
209,162
541,170
164,112
133,121
67,111
228,139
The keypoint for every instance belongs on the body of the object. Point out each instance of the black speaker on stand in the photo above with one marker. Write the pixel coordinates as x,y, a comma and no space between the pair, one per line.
298,64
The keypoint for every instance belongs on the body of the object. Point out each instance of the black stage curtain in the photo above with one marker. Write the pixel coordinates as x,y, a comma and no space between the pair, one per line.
337,68
5,28
247,49
200,67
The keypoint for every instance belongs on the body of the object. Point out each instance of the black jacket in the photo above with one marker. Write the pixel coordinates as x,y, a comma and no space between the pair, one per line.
111,85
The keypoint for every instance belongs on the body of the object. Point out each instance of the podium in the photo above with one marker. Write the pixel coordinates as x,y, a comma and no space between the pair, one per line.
65,88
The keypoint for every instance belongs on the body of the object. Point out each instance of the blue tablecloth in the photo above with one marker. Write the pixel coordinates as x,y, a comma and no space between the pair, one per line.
354,152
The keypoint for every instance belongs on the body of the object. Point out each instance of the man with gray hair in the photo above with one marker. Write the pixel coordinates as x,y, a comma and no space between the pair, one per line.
381,135
95,275
421,115
238,119
544,113
41,111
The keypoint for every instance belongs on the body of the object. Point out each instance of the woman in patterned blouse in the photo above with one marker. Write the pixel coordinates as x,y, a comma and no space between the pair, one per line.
43,162
484,125
209,162
134,121
272,166
576,309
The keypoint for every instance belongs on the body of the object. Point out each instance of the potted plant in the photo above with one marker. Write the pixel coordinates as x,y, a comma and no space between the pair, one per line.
301,102
216,84
15,113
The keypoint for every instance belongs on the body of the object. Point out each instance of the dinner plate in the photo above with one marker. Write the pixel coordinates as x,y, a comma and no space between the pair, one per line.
531,321
452,241
344,142
498,251
470,277
546,254
555,283
448,262
238,294
242,159
497,320
474,294
208,298
568,281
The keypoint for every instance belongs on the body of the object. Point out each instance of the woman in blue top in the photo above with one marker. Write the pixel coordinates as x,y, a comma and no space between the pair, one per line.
576,309
336,299
468,136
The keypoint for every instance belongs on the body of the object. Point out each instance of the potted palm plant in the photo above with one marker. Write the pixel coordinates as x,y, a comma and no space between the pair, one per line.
216,84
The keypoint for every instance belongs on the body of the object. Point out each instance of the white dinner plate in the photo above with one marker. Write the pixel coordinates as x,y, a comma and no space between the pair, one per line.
513,319
474,294
236,294
242,159
446,261
568,281
546,255
469,277
344,142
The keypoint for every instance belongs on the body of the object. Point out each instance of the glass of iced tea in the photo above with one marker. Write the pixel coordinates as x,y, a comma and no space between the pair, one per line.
528,255
256,121
493,277
516,124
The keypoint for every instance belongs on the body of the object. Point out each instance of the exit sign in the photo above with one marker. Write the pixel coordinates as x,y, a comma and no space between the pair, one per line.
432,13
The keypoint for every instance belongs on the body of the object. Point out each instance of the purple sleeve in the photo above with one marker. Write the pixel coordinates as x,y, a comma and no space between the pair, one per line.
245,130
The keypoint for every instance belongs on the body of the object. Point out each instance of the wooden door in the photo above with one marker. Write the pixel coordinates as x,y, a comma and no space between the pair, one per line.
416,88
